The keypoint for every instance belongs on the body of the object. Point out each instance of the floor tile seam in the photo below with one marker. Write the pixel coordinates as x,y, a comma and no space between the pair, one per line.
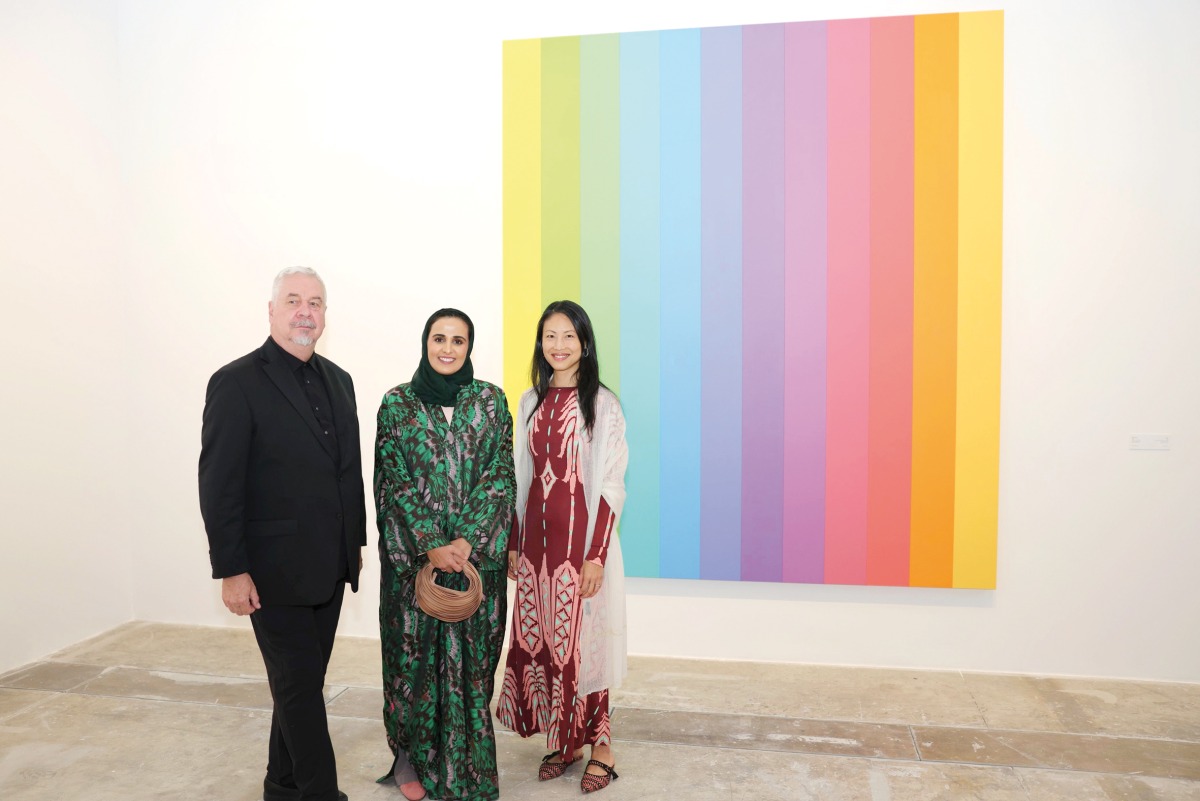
54,690
978,707
184,701
33,665
1021,783
144,669
913,726
160,700
788,751
376,687
1019,769
903,759
103,672
49,696
238,676
912,735
126,666
1095,734
762,715
195,673
1141,774
336,716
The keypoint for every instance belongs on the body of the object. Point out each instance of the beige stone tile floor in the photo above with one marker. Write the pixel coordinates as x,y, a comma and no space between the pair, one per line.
155,711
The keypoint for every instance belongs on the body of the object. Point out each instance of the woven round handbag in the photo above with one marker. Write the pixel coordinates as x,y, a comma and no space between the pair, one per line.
445,604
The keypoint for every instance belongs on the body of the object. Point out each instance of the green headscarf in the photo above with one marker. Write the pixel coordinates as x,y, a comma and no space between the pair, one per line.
430,385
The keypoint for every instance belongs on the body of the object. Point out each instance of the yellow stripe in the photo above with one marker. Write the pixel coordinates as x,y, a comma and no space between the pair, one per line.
980,171
522,210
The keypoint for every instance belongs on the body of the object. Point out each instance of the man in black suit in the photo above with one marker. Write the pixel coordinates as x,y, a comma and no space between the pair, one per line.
281,492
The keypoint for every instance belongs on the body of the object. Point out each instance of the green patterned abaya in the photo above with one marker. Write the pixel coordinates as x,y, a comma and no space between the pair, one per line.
435,481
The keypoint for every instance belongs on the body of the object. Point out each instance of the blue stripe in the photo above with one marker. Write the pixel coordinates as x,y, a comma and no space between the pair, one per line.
680,334
721,310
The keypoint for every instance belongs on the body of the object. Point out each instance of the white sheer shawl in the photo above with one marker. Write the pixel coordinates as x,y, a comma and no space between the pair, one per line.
603,457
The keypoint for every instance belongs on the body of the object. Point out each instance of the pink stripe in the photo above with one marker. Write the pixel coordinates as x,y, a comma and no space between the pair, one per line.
804,296
849,302
889,474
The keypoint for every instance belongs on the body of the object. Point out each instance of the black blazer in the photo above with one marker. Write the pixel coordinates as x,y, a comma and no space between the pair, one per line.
277,501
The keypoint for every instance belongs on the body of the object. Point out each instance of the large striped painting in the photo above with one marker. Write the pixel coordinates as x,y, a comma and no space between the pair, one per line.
789,240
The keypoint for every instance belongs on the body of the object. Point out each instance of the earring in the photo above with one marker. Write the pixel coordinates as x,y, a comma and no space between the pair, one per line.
585,352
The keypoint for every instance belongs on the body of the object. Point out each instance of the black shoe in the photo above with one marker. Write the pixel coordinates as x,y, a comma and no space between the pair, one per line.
273,791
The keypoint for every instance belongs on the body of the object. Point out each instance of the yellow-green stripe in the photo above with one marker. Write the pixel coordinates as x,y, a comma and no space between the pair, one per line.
560,168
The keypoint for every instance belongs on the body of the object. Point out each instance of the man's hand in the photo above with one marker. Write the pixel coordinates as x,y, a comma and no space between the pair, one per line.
239,594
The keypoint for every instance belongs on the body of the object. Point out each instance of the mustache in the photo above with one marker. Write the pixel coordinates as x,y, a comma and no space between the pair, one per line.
304,324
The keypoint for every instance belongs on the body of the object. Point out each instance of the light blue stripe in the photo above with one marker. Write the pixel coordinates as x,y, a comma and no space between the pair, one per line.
640,344
721,310
680,334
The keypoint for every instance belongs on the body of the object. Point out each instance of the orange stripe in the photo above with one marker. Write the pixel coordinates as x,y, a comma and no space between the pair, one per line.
935,298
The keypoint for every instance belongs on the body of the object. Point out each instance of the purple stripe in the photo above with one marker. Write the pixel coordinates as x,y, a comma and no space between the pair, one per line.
721,304
804,359
763,343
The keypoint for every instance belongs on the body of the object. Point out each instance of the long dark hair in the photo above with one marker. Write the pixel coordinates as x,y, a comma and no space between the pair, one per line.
587,379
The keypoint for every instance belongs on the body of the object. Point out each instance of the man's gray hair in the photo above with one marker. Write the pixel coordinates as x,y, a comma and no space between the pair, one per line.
286,271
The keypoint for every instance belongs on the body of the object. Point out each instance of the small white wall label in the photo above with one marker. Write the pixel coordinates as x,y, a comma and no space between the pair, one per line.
1149,442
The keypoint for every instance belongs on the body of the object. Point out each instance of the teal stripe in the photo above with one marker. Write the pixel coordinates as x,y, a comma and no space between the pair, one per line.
600,200
679,470
640,342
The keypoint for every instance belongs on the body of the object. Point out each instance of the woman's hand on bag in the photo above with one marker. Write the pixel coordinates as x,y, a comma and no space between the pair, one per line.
448,558
512,565
590,579
463,547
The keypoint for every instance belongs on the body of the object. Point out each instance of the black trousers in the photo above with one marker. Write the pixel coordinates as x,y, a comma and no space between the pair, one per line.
296,642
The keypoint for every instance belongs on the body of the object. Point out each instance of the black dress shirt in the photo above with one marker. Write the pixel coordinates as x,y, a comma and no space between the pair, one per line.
310,381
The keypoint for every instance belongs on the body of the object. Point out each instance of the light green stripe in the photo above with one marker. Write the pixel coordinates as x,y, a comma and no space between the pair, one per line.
600,196
560,169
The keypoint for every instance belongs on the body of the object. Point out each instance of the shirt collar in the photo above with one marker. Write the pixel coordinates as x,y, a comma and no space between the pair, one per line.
291,361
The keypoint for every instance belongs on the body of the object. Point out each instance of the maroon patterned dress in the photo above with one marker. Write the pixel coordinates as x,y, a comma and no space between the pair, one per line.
539,691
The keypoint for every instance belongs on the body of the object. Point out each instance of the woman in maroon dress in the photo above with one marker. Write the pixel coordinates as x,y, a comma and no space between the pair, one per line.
568,632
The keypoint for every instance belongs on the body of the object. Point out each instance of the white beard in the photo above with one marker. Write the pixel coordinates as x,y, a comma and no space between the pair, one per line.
302,339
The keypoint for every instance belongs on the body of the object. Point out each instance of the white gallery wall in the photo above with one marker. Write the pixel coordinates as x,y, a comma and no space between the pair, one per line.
160,161
66,523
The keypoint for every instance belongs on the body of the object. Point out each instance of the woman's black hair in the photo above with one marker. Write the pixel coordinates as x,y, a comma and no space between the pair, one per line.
587,379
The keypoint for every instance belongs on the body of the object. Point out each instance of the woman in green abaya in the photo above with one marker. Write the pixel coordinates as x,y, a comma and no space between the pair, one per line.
444,494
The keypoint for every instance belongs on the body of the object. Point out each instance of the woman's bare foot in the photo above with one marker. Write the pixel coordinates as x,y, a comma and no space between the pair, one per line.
558,758
603,753
413,791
